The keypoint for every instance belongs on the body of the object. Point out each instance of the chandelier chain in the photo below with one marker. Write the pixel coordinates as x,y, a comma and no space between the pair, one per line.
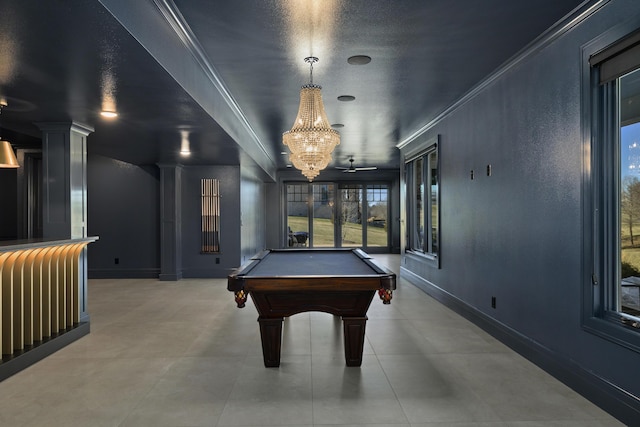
311,60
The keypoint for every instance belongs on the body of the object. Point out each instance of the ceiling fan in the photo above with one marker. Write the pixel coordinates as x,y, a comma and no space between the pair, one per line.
353,169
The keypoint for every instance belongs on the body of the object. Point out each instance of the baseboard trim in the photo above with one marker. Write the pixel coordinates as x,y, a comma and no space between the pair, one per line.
112,273
15,363
617,402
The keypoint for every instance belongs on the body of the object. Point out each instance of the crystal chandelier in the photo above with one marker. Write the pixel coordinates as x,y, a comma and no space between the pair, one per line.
311,139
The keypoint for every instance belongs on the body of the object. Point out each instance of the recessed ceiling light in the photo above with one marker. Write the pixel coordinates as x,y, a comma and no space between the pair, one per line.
337,125
359,60
109,114
346,98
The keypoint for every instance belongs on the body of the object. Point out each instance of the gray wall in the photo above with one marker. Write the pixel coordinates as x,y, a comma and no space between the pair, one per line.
122,205
273,212
194,263
253,214
517,234
8,204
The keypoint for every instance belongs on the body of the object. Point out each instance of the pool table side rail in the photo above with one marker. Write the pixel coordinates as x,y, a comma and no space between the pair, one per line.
311,283
237,280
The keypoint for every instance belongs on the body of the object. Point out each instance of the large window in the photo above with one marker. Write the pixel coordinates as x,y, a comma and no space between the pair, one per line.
613,227
422,181
628,298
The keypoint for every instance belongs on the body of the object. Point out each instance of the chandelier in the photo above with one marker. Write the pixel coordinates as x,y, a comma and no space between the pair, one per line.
311,139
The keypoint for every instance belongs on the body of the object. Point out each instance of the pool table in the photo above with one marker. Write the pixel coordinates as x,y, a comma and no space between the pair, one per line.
283,282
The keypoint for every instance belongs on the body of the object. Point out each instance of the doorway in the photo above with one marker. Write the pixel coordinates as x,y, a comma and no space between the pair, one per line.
30,221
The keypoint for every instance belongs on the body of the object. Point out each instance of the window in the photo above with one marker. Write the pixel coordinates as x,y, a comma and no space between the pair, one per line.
612,245
422,180
628,299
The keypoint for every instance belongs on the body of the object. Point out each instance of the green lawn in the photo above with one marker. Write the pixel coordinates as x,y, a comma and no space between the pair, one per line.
352,233
630,254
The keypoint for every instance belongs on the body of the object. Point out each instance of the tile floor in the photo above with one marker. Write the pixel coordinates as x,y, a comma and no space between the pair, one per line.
181,354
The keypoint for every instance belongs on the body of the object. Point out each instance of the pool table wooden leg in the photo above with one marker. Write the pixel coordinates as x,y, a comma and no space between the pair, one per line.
271,336
354,328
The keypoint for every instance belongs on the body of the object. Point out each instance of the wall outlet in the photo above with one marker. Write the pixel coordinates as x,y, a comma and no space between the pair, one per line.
116,260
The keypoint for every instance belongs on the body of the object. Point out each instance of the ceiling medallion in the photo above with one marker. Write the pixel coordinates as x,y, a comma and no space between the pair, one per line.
311,140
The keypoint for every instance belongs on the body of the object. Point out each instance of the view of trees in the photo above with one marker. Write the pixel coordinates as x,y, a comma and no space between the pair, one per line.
630,206
630,219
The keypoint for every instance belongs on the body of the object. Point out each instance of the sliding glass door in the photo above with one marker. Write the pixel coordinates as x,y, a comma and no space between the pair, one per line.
337,215
323,216
377,208
351,216
297,232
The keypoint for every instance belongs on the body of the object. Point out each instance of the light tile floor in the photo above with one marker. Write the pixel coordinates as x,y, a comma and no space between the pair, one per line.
181,354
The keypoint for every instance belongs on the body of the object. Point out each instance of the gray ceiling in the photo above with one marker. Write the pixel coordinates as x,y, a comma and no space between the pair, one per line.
228,73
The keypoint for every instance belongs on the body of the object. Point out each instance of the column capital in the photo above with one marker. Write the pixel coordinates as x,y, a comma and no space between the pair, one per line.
170,165
64,192
65,126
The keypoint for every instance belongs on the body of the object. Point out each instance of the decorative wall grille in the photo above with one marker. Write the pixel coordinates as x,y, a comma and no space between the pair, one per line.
210,200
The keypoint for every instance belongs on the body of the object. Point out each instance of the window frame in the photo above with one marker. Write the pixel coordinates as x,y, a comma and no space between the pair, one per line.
426,252
601,191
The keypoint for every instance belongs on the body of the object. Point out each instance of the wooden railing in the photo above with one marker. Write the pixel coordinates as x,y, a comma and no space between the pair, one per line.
42,291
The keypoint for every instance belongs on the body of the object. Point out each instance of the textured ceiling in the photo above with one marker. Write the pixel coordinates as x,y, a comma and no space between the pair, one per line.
227,74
